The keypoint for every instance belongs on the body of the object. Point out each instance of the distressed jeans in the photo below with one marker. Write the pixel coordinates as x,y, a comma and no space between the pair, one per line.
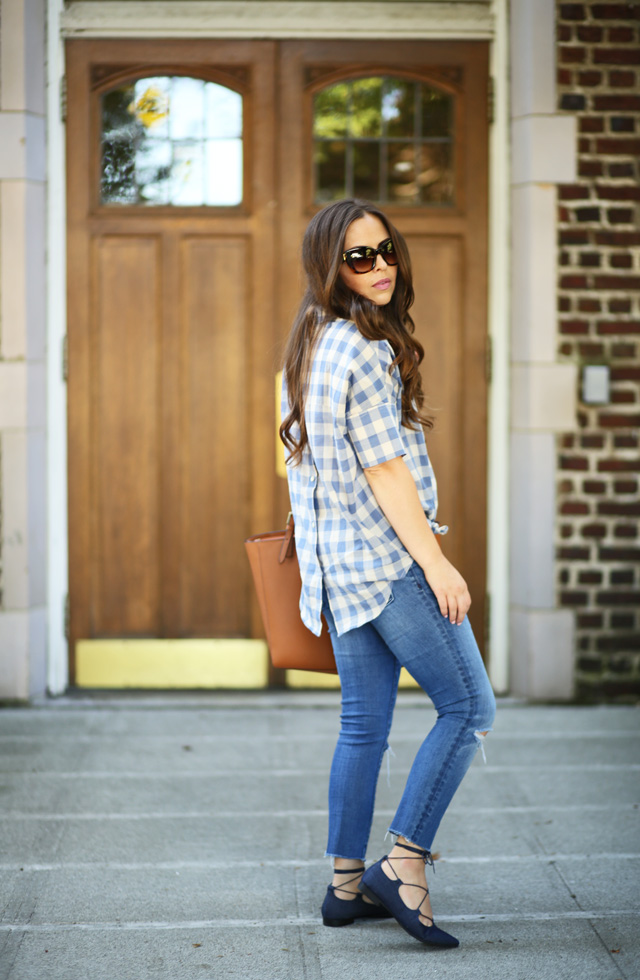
444,659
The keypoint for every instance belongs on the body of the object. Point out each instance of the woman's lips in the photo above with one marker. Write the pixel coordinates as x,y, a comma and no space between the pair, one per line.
382,284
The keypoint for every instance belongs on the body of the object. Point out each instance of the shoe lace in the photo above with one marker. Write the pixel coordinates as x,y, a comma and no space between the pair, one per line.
356,872
427,859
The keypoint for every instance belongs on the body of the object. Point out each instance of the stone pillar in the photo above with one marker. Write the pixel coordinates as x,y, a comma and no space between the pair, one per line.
22,350
543,390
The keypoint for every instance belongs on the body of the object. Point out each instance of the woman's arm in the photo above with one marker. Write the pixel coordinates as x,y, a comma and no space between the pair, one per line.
395,490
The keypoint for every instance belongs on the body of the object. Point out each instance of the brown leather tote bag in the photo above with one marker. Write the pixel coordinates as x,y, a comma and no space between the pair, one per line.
276,575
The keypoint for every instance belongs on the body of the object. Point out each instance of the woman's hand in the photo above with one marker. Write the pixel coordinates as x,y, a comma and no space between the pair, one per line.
449,588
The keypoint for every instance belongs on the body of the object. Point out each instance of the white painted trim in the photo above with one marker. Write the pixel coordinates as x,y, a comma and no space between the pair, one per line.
499,329
57,535
472,20
457,19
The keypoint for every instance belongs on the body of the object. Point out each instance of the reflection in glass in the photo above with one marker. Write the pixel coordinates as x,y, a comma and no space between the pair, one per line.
172,141
386,139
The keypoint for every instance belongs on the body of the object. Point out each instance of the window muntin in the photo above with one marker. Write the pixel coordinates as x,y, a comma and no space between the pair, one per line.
171,140
386,139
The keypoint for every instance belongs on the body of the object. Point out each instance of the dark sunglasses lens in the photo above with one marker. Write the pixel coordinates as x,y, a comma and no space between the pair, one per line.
362,259
389,253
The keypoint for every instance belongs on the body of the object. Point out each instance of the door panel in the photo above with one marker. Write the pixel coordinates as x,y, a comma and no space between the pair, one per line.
177,316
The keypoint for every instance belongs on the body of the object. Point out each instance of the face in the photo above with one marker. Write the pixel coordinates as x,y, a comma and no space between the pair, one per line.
379,284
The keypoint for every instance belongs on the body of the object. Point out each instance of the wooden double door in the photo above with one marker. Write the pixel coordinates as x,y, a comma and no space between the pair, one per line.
178,306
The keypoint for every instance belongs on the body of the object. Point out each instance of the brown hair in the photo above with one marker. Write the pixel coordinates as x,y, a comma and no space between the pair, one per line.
327,297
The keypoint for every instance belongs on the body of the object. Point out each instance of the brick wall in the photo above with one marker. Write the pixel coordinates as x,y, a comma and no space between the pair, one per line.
598,551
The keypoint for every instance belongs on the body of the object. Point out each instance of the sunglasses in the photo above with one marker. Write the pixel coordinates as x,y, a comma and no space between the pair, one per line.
364,258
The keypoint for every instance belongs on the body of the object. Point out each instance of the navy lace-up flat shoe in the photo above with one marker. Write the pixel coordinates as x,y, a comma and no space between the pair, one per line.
342,912
377,886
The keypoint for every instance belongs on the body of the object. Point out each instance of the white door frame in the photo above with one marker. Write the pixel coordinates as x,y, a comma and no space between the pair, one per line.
385,20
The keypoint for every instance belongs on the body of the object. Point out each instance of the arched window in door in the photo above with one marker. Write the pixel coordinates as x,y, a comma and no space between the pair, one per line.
386,139
171,140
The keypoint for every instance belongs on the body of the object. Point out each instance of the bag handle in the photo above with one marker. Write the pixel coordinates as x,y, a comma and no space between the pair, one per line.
288,542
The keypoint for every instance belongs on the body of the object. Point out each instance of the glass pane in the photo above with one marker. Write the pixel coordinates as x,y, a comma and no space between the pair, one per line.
385,139
330,162
330,109
366,170
366,107
172,140
223,172
398,107
436,113
401,168
224,113
436,177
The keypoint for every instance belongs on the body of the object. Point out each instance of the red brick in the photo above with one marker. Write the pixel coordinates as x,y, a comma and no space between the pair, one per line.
618,326
620,261
564,304
618,421
623,350
626,441
616,103
590,260
625,531
572,192
620,216
584,146
588,79
622,79
593,441
594,486
574,327
608,56
567,442
564,258
591,124
590,578
576,56
621,238
615,11
622,621
589,33
625,373
588,305
571,11
573,282
565,486
618,192
618,466
621,170
625,486
563,213
594,531
619,598
614,146
591,350
590,168
573,553
564,76
623,398
574,508
619,35
574,463
615,508
566,531
587,621
573,236
566,350
616,282
564,33
574,598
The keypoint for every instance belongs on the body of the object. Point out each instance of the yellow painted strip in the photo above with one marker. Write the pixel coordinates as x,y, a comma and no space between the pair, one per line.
281,466
170,664
311,680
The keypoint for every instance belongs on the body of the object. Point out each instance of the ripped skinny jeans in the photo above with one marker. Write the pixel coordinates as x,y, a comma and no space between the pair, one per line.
444,659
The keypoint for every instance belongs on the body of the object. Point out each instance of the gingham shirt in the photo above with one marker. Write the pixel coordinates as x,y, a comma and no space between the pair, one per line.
353,413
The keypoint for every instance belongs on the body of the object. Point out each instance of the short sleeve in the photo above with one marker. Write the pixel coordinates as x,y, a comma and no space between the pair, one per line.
372,409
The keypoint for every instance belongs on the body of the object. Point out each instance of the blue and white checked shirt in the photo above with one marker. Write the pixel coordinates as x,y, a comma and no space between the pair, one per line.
353,413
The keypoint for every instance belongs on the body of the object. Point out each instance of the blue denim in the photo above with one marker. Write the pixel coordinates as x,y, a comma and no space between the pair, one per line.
444,659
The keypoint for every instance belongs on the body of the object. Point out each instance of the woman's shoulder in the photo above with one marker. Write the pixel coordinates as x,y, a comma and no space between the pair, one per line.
343,337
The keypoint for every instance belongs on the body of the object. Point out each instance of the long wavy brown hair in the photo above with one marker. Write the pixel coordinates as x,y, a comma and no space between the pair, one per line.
327,298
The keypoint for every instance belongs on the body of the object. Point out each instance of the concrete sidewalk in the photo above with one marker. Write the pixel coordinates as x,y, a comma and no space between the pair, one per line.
182,837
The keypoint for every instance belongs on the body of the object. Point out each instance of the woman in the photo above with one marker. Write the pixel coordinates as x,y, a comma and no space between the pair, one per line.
364,500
